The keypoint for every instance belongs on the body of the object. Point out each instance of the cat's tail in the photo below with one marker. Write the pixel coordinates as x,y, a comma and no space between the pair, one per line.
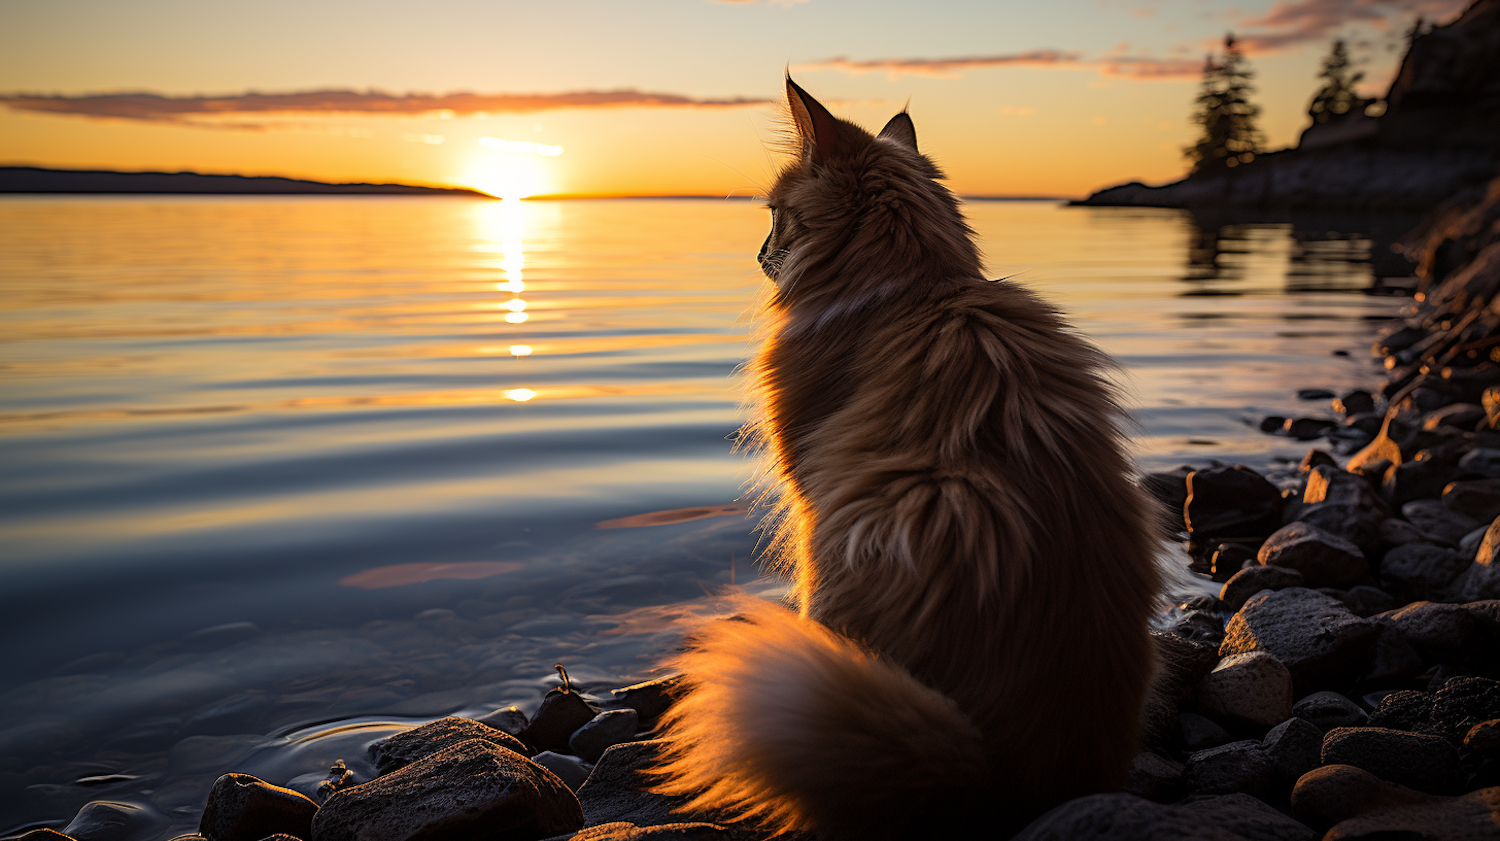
794,727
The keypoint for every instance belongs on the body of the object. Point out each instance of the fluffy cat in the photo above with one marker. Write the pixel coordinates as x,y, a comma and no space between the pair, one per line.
974,564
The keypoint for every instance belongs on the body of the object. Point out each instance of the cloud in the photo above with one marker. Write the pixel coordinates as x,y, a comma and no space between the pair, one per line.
231,111
1289,24
1134,67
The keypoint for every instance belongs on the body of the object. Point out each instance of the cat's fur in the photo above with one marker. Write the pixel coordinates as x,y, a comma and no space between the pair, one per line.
974,565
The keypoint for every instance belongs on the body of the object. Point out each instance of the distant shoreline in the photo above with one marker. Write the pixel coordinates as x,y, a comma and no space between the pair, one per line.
34,180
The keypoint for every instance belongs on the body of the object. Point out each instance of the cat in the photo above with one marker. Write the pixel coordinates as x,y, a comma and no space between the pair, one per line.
973,565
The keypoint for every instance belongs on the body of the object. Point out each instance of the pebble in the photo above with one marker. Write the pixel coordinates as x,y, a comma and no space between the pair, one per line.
469,790
1316,636
1315,394
1418,761
1294,746
245,808
1308,429
505,719
561,713
606,730
1247,582
408,746
1247,691
1328,710
1323,559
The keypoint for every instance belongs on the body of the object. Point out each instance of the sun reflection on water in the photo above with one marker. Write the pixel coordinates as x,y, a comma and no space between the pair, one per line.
504,222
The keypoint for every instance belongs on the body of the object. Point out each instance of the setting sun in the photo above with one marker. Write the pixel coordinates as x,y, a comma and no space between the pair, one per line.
511,171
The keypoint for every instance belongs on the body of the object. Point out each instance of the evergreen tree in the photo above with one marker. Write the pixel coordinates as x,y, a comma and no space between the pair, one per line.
1230,136
1336,97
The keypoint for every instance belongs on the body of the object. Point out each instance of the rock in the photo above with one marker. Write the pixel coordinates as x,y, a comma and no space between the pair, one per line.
606,730
1247,582
1199,733
1439,632
1235,767
107,820
1355,402
474,789
1198,627
408,746
1181,664
1417,479
1307,429
1425,763
652,698
1155,777
1460,415
1319,640
1391,658
1231,501
509,720
1329,710
1472,817
1482,461
1333,793
1478,499
561,713
1405,709
1461,703
1230,558
1437,521
1317,458
626,831
570,769
244,808
1484,738
1125,817
1252,690
1272,423
1365,600
46,834
1315,394
1419,570
1323,559
1294,746
615,791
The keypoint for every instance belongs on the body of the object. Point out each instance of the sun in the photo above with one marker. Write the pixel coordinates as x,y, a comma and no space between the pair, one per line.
508,176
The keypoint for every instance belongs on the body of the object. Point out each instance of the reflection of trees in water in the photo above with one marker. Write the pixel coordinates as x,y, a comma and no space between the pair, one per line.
1325,246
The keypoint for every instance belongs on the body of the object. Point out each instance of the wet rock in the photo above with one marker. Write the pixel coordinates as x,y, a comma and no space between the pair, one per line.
1315,394
1420,570
1323,559
1294,746
651,698
1461,703
1425,763
1355,402
1199,733
1307,429
472,789
1155,777
1438,522
1317,458
320,786
1391,658
1117,817
107,820
1482,461
626,831
1334,793
1198,627
1230,558
606,730
1318,639
615,790
1460,415
1437,631
1272,423
1252,690
1329,710
1247,582
1231,501
561,713
1235,767
45,834
508,720
408,746
1478,499
1413,480
1472,817
244,808
570,769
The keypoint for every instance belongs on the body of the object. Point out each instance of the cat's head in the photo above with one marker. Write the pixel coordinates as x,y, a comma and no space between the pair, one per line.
850,197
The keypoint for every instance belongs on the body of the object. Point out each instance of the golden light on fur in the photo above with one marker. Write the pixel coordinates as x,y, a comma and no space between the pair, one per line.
958,515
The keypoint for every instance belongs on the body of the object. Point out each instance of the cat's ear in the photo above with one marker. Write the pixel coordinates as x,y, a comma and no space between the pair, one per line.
902,130
818,128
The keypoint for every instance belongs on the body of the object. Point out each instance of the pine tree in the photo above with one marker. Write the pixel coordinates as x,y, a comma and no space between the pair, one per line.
1336,97
1230,136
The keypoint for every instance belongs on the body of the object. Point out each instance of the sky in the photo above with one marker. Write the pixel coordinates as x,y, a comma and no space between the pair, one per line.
650,97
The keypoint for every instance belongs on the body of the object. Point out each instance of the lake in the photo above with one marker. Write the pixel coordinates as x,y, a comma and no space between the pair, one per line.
280,475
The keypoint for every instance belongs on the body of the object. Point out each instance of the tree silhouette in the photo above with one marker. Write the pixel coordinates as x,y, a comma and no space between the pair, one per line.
1336,97
1230,136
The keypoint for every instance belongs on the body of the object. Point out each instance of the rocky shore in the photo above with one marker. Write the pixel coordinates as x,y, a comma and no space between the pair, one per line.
1344,683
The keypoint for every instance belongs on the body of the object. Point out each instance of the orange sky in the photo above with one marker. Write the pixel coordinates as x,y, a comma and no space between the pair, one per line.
652,97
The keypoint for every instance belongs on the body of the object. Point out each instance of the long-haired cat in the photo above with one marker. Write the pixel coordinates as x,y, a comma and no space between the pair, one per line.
974,565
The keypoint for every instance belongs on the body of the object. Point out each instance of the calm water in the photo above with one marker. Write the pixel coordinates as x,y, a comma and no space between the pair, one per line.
271,463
